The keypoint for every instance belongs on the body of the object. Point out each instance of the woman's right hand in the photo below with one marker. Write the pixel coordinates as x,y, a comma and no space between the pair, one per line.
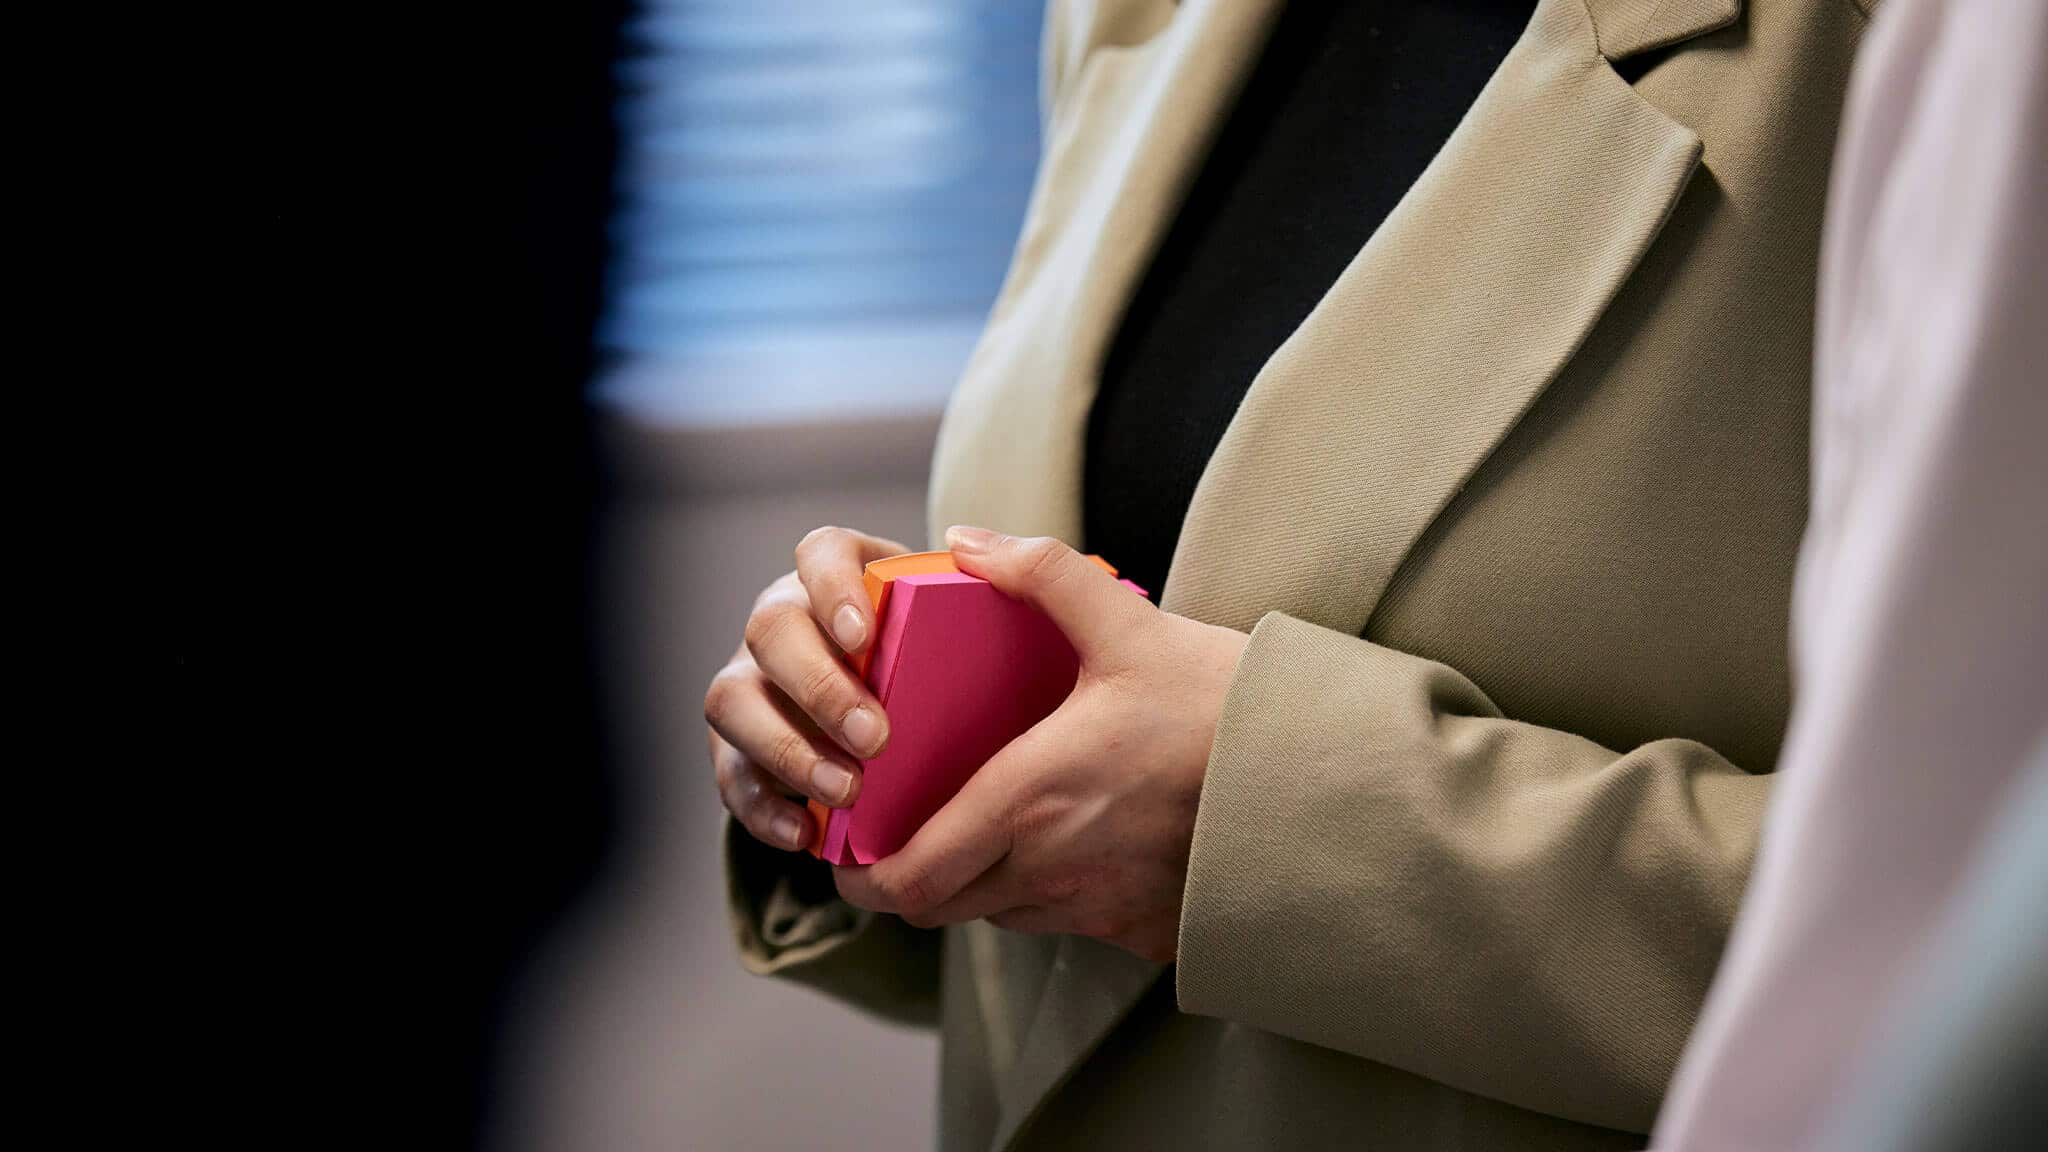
789,718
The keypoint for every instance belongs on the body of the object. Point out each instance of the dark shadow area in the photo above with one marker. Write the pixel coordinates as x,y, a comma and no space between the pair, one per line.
395,501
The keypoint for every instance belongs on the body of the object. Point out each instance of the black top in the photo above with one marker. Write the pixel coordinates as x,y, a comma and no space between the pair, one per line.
1348,104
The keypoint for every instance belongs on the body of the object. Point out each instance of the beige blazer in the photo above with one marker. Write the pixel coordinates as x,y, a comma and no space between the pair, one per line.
1511,518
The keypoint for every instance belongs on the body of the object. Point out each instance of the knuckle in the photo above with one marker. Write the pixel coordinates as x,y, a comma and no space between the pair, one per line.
774,594
718,698
1042,557
754,813
791,754
824,692
765,628
819,537
1030,817
757,826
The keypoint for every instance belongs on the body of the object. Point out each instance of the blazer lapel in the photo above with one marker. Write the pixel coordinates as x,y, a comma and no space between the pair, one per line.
1626,27
1469,299
1121,146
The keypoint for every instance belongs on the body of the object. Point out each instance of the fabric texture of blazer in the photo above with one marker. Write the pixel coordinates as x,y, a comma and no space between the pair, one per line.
1511,520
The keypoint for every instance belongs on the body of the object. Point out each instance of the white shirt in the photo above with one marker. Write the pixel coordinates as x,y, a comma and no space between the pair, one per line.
1920,611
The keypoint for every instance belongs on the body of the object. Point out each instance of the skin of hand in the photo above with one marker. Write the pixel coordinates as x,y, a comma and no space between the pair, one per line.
788,717
1083,824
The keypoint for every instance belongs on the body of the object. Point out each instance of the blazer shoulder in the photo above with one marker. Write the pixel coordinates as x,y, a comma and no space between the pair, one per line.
1075,29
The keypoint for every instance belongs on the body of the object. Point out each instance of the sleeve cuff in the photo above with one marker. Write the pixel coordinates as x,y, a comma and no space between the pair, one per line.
784,908
1312,725
788,921
1384,865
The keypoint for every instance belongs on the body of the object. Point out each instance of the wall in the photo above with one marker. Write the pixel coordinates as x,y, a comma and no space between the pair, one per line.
638,1029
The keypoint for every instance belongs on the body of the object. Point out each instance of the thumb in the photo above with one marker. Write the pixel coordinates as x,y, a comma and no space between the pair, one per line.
1084,601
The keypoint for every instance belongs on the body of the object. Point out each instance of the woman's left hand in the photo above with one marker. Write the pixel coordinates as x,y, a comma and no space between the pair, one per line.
1082,824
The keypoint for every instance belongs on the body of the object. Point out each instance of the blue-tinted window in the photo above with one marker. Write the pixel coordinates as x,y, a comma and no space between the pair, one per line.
818,201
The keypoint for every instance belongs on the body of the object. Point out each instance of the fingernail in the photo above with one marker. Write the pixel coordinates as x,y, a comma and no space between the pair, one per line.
863,731
848,628
789,829
962,538
834,784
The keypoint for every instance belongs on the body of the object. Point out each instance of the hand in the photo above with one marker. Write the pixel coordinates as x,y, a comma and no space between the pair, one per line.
1082,824
788,716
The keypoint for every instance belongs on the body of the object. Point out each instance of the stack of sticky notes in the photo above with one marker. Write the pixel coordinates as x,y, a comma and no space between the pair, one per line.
961,670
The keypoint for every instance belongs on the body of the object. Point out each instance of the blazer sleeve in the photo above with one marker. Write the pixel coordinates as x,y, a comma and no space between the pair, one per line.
789,922
1385,865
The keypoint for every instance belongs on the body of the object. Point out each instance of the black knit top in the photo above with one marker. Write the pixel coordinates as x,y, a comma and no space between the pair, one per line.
1348,103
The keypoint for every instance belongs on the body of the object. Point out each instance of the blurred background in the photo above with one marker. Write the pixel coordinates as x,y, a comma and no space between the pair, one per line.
536,348
791,217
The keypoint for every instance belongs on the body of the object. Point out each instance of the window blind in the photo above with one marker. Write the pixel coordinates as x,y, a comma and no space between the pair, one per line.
818,199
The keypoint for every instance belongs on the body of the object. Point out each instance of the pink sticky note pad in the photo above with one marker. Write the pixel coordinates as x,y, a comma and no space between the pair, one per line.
962,670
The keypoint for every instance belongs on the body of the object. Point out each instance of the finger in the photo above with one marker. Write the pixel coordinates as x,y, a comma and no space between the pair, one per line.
1087,603
961,841
752,716
793,653
749,794
828,564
